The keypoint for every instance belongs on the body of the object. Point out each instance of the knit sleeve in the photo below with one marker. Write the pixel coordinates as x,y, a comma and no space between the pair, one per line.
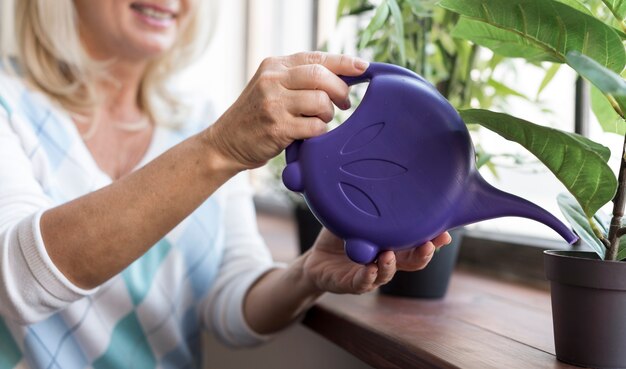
31,287
245,259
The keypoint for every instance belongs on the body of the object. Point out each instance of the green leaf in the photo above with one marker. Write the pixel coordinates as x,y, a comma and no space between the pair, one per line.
482,159
550,73
602,151
621,253
580,223
496,59
352,7
550,27
576,5
579,163
422,8
398,23
492,168
378,20
618,8
501,42
342,7
503,90
608,118
609,82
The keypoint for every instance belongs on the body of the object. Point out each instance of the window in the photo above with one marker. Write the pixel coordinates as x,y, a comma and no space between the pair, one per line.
248,31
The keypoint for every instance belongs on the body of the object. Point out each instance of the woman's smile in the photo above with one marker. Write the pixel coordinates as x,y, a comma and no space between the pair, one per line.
132,30
154,15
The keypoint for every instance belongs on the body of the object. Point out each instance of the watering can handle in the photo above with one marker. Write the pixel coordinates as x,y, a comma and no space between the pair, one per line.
374,70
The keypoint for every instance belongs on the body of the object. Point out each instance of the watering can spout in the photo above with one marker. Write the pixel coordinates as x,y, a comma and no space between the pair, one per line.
483,201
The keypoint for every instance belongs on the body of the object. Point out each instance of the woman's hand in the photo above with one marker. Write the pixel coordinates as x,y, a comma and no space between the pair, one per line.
281,295
289,98
329,269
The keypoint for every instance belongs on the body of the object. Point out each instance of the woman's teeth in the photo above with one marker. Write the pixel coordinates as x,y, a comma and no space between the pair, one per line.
153,13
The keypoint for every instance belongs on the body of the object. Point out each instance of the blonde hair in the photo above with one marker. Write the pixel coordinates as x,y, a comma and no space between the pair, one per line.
49,54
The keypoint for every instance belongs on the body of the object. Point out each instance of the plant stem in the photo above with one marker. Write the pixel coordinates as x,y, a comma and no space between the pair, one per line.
427,25
599,234
615,106
618,208
465,93
421,46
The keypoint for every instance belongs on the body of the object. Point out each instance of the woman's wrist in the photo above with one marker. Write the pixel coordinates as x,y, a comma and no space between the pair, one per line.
280,297
303,281
214,158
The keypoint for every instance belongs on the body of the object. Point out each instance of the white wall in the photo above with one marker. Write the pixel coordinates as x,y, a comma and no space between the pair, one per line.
278,27
220,74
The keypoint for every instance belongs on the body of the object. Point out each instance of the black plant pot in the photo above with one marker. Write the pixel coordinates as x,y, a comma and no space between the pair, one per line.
308,227
588,308
432,281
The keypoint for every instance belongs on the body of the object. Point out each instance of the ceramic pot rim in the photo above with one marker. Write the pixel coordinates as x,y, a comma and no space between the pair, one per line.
584,269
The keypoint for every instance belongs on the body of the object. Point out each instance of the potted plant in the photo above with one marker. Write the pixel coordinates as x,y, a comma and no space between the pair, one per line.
588,288
417,34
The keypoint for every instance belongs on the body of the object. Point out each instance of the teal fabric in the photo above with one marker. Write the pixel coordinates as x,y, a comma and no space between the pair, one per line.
139,275
129,347
5,106
10,353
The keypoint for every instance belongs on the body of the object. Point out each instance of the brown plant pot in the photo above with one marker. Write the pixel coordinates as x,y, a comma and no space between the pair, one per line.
588,308
308,227
431,282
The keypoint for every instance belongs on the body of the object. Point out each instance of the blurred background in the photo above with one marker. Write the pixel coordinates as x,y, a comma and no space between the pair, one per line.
247,31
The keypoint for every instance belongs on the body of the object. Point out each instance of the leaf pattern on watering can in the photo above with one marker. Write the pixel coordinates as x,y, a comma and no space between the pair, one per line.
373,169
359,199
366,168
362,138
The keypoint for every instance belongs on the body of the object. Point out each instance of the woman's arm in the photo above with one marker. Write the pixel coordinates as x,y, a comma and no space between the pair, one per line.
96,236
282,295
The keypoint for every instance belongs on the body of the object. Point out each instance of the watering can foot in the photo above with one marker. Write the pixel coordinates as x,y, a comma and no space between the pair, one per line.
292,177
361,251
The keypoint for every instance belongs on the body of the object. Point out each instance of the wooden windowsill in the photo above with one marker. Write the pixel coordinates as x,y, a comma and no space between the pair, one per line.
483,322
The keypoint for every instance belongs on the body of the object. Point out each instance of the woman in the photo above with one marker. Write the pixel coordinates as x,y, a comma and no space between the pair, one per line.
122,234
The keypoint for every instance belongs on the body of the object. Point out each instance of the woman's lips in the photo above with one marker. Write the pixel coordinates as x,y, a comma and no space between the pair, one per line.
154,15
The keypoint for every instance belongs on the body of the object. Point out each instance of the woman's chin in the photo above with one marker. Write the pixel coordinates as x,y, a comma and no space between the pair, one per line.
151,49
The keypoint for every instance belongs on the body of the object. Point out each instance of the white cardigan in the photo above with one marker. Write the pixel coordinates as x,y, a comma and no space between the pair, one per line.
150,314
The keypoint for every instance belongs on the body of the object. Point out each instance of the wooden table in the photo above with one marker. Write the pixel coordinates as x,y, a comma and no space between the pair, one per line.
482,323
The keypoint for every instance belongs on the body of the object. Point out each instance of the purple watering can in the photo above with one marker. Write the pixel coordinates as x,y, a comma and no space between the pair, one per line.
400,171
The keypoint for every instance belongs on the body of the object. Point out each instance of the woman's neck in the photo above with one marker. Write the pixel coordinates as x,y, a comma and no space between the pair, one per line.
119,132
120,94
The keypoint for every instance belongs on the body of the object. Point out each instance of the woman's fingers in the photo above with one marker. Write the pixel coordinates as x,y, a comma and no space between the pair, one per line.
442,240
364,279
373,275
344,65
318,77
320,71
306,127
386,267
288,98
416,258
311,104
